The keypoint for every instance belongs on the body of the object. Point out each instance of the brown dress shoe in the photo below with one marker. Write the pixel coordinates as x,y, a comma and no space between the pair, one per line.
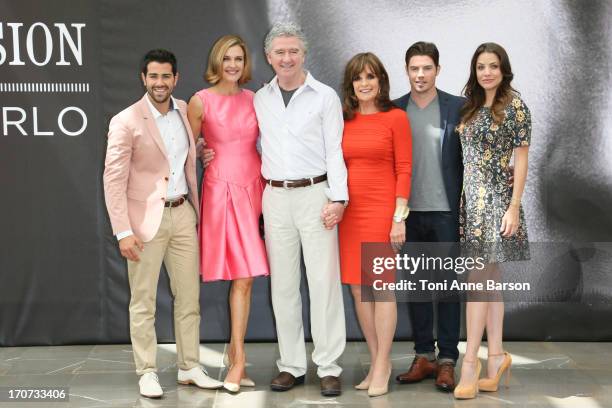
331,386
285,381
420,369
445,380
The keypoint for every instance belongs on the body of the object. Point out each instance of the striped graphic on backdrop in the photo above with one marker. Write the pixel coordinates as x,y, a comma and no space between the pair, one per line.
44,87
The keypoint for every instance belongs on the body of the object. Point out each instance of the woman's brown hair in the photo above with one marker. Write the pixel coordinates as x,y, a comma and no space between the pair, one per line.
475,93
354,67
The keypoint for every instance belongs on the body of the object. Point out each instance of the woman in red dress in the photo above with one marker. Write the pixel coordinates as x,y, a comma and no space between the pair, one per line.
378,153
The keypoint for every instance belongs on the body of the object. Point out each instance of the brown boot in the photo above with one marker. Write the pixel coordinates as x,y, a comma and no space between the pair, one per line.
420,369
445,380
331,386
284,381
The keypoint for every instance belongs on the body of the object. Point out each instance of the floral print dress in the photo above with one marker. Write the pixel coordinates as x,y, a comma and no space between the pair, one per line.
487,150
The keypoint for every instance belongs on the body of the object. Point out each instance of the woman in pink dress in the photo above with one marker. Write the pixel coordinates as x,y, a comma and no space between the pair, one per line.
231,247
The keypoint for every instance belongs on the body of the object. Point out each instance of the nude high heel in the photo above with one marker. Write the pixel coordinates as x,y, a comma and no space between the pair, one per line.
230,386
244,381
491,384
364,385
468,391
377,391
247,382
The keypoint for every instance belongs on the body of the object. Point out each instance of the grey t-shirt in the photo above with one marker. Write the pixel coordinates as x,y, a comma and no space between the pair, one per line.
287,95
427,192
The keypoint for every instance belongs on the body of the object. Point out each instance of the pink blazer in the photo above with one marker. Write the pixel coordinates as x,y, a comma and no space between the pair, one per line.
136,171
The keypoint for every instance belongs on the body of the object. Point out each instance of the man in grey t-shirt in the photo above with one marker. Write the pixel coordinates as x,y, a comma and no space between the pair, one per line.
437,176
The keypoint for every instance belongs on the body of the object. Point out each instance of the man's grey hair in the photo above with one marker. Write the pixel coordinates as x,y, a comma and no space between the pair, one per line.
284,30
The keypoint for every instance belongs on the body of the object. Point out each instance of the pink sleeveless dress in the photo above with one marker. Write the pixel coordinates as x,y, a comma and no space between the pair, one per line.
232,187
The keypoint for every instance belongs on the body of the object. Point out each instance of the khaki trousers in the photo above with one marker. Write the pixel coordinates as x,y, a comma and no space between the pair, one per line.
293,223
175,244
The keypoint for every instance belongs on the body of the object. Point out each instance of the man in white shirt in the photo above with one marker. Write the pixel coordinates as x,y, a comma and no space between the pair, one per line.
152,201
300,120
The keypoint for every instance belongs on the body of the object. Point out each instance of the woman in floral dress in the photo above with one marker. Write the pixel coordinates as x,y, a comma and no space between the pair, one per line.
495,124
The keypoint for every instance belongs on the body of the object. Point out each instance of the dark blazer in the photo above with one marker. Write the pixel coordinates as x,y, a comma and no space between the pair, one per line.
452,160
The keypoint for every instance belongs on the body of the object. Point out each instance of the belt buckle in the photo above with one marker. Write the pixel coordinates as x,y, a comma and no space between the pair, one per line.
176,202
285,184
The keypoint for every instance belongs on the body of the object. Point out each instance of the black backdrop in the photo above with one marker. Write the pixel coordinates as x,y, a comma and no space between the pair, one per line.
62,280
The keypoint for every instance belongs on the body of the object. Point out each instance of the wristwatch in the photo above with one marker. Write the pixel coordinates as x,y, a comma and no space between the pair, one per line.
343,202
401,214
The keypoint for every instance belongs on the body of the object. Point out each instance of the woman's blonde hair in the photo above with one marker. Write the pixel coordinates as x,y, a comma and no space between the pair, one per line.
215,59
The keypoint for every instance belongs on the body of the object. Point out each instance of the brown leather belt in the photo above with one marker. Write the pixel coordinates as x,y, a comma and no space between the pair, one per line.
175,203
297,183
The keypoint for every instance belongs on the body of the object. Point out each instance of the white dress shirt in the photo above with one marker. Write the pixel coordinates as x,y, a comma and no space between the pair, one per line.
303,139
176,141
173,133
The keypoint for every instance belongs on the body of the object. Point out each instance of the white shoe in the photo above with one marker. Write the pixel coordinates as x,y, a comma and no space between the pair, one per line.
198,377
247,382
149,386
231,387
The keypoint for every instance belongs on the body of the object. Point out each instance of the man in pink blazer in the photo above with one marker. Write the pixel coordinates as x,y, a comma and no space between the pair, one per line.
152,201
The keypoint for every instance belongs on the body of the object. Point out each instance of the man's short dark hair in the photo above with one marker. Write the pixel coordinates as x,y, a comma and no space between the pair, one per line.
423,48
158,55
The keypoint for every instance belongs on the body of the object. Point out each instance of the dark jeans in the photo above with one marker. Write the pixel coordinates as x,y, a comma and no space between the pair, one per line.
434,226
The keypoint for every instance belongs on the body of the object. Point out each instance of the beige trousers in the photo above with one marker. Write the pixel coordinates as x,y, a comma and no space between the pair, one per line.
175,244
294,225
